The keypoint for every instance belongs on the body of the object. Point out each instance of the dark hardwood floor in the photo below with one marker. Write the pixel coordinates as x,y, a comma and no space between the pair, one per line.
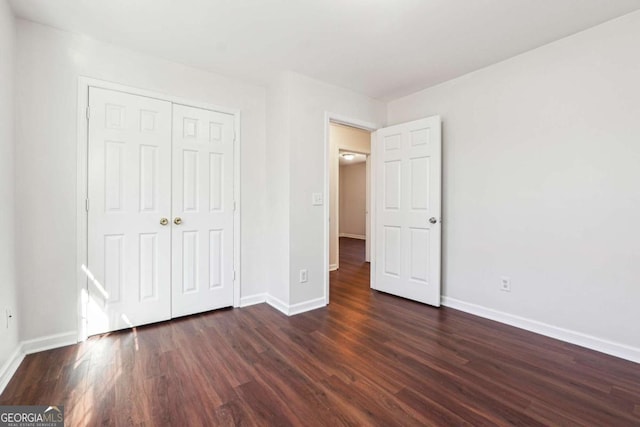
367,359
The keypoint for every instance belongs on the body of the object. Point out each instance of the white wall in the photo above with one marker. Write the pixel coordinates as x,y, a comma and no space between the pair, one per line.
309,101
8,287
542,182
49,63
353,199
351,139
277,157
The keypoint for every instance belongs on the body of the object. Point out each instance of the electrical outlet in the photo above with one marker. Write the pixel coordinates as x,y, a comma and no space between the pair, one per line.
505,284
304,276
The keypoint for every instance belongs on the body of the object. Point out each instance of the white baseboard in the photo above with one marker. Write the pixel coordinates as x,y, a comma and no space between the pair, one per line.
277,304
292,310
49,342
289,310
333,267
10,367
353,236
252,300
588,341
307,306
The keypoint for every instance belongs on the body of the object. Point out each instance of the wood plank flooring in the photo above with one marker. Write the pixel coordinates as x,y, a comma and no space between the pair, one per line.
367,359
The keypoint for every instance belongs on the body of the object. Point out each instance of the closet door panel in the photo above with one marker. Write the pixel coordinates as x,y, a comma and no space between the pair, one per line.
129,188
202,256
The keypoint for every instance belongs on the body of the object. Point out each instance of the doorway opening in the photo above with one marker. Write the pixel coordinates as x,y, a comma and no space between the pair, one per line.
348,186
352,200
405,206
349,182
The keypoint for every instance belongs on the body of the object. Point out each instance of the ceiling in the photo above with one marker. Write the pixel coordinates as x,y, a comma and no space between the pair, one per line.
381,48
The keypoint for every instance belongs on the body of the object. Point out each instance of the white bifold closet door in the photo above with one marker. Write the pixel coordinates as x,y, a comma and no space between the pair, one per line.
129,251
202,277
160,210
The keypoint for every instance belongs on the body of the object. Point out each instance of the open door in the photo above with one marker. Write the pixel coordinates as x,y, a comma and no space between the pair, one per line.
407,165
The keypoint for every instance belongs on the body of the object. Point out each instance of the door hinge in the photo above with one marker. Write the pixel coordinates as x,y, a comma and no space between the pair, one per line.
234,275
86,204
234,205
88,112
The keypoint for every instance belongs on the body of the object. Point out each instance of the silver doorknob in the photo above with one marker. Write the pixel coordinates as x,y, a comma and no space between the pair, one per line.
433,220
177,221
164,221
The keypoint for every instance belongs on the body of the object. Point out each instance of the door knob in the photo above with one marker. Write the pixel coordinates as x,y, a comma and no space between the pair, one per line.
177,221
433,220
164,221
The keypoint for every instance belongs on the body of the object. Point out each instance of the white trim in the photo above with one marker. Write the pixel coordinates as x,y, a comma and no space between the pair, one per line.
278,305
367,219
88,81
351,122
372,212
82,193
302,307
81,183
237,229
50,341
578,338
353,236
253,299
335,208
326,226
8,370
333,267
348,121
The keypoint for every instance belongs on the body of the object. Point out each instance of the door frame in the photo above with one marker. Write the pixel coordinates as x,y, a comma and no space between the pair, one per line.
84,83
329,118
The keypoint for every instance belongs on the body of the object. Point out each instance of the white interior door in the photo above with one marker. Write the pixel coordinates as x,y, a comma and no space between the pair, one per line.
407,167
129,184
202,259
